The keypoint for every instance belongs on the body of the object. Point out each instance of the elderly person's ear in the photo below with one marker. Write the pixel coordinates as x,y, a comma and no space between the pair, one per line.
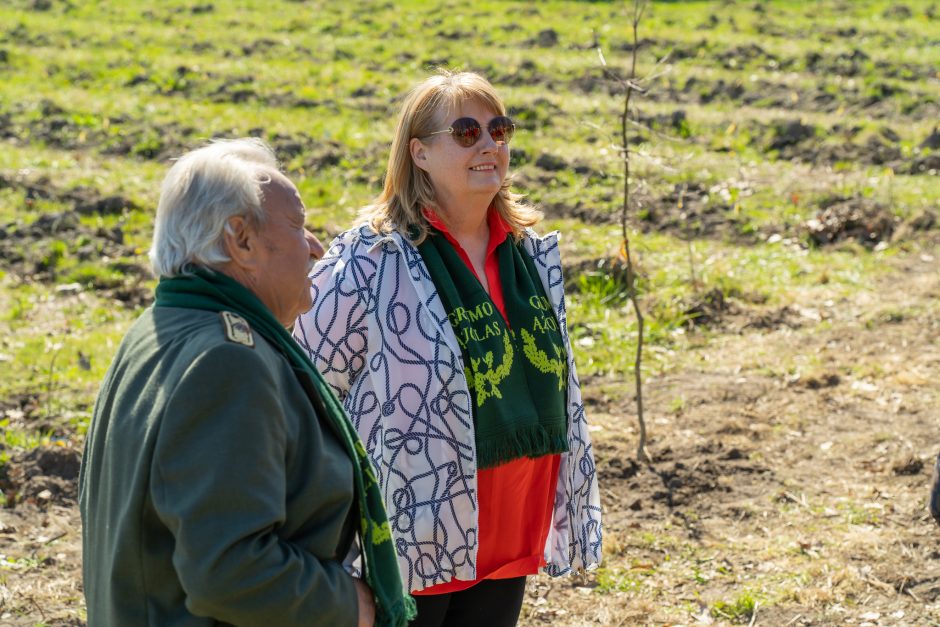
238,237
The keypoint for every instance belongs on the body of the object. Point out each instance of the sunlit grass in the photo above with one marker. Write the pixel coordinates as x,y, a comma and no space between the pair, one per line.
155,75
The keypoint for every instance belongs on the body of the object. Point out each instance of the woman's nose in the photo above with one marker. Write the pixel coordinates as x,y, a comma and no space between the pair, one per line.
489,144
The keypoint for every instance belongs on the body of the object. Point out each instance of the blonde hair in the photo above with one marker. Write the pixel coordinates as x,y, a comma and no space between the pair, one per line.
408,188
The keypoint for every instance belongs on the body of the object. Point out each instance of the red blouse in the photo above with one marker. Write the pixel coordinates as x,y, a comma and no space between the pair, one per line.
516,499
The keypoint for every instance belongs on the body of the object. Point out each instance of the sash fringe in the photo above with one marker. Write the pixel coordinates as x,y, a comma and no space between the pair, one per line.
533,441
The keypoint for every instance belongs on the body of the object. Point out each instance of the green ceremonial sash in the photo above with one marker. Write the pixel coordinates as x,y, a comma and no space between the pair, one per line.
517,374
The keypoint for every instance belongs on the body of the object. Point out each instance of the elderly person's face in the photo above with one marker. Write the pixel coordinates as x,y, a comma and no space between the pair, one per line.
457,172
286,253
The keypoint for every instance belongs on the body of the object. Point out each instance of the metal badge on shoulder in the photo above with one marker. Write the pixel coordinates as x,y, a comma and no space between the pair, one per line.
237,329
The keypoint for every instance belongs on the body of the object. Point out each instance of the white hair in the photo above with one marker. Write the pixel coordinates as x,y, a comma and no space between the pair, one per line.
201,192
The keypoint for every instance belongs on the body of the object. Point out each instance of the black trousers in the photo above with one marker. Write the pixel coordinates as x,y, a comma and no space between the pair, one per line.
490,603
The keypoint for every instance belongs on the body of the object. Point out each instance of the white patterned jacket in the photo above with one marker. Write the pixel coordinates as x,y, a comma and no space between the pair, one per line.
378,333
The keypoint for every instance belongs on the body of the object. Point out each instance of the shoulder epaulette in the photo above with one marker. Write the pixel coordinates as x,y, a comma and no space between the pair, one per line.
237,329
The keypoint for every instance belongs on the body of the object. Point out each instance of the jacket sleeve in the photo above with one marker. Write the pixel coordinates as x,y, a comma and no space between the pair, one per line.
576,536
335,331
219,483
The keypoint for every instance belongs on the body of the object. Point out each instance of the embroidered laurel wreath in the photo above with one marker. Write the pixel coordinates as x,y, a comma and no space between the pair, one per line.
518,402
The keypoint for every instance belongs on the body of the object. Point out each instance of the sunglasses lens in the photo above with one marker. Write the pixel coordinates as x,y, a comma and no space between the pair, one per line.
466,131
501,129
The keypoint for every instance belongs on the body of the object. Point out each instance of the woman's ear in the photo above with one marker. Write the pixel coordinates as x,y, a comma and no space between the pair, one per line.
419,153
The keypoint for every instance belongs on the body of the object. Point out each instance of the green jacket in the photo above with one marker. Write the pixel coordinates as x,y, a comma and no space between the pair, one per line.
210,492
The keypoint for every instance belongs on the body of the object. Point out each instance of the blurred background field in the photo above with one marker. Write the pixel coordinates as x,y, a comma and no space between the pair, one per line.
785,177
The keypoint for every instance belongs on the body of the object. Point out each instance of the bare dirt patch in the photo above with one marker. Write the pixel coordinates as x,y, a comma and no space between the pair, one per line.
690,211
43,476
792,466
687,210
34,251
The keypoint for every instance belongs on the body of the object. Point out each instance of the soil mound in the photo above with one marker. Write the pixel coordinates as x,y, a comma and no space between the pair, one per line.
43,476
859,219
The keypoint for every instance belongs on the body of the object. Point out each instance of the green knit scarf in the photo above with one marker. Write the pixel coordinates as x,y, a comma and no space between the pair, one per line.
214,291
517,374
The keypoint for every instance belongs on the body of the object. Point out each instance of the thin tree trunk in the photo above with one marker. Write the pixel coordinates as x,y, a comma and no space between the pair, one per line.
630,85
641,453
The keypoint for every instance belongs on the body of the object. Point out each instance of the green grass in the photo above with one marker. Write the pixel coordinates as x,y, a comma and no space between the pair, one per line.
97,97
738,610
163,87
622,581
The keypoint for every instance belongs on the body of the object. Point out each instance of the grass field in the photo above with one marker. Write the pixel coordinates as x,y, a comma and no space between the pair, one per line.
785,176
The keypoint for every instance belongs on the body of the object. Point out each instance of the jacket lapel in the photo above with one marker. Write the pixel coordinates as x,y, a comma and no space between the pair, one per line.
547,258
424,287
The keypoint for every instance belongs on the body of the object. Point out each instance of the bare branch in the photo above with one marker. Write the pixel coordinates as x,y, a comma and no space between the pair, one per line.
639,7
608,72
652,77
635,86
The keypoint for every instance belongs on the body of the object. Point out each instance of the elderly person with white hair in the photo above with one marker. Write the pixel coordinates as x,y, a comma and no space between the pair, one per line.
222,482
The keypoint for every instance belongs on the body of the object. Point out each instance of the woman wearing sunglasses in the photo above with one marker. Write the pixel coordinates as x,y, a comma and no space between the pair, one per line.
440,322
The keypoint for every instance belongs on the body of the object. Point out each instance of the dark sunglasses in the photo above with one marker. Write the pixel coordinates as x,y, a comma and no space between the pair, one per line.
467,131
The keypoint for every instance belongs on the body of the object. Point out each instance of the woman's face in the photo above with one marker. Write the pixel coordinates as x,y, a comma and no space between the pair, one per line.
463,176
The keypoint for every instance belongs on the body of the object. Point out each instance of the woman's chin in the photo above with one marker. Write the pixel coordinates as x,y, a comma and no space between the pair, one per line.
490,187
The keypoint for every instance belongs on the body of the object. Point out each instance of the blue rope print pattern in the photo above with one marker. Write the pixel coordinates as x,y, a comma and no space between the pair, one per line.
393,360
581,501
